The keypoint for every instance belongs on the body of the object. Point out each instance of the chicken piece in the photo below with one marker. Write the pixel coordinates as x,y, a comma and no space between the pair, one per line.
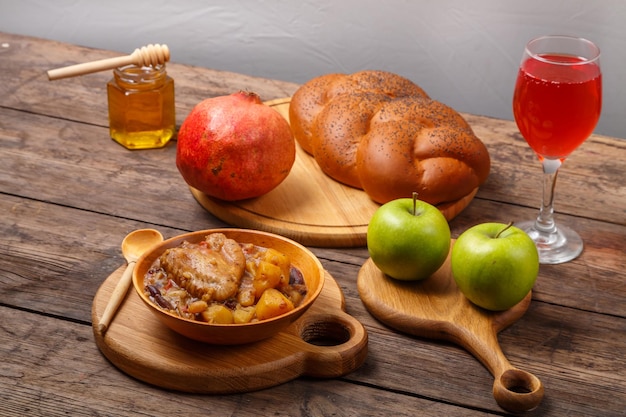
210,270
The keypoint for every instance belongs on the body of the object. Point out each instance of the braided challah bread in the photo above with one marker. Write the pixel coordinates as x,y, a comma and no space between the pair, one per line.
380,132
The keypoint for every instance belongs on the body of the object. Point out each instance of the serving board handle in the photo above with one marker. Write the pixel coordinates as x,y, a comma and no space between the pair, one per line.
335,343
513,389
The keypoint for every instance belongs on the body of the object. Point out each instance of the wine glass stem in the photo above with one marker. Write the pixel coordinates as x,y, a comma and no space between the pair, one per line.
545,221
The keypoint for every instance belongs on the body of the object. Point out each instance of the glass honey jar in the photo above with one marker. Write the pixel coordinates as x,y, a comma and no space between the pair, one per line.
141,106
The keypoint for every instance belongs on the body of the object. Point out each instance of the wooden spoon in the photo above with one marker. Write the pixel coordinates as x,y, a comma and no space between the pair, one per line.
133,246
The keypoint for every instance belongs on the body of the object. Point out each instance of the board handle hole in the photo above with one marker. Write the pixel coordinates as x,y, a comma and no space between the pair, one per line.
325,333
520,382
517,391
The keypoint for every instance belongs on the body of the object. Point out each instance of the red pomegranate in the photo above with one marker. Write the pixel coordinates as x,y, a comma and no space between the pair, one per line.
235,147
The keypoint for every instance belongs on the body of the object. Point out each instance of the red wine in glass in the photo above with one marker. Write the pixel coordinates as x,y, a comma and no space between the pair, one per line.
556,104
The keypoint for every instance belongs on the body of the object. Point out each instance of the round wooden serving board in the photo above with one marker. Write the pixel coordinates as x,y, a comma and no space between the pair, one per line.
325,342
308,206
435,308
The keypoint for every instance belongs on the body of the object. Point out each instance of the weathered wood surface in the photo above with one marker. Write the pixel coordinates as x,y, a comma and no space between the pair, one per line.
69,194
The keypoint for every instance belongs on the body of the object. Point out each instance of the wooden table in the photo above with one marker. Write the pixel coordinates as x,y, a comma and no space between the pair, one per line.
69,194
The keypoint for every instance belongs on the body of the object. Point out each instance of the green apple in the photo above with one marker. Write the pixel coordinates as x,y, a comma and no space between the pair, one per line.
494,265
408,239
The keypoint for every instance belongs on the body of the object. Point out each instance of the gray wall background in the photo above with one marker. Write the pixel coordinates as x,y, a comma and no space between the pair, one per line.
464,53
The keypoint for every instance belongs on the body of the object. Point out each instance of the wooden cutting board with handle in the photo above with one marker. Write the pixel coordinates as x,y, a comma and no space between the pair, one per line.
325,342
435,308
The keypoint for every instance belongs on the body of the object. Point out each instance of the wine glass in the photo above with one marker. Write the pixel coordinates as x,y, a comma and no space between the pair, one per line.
557,102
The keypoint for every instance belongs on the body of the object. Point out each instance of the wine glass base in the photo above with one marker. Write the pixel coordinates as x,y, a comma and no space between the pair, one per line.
557,247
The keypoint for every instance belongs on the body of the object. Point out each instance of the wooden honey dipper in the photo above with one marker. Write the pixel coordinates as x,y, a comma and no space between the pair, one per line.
150,55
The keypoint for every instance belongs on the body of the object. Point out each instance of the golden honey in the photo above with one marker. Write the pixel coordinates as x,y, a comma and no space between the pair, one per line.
141,107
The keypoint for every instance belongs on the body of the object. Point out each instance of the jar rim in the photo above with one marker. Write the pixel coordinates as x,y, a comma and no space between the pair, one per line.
135,74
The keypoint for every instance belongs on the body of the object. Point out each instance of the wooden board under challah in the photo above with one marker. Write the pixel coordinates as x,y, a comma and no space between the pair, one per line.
382,133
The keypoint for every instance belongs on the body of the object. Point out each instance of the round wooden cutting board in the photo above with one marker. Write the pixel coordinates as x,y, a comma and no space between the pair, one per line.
308,206
435,308
325,342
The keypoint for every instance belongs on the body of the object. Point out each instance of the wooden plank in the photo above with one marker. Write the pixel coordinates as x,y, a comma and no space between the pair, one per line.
74,164
46,356
84,242
51,367
48,247
53,259
69,151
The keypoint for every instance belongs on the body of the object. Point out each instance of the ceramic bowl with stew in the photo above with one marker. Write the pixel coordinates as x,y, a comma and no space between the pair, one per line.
234,334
